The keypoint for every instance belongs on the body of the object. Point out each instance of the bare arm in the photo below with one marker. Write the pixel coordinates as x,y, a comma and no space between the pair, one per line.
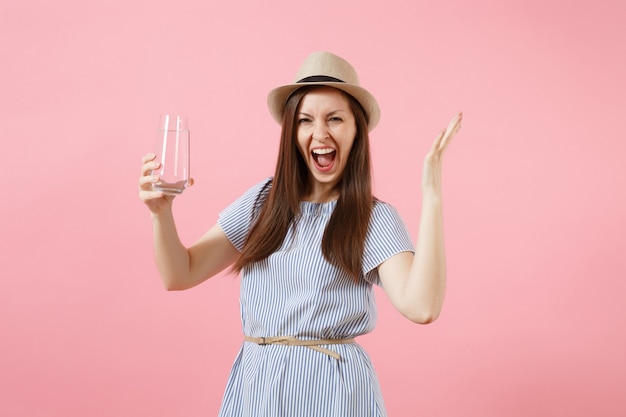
180,267
416,284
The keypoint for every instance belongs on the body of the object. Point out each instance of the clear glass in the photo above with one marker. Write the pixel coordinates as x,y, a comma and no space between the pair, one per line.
172,151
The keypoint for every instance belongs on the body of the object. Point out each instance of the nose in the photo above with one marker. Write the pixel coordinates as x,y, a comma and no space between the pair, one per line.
320,131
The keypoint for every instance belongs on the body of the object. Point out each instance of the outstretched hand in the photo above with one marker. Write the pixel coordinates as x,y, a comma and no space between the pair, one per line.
431,174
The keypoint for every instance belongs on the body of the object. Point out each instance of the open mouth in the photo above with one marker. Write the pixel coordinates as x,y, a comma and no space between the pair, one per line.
323,157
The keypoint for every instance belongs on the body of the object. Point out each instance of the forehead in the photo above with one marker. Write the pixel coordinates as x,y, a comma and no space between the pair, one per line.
324,97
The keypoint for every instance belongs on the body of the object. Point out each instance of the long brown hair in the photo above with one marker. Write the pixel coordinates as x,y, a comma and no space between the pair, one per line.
344,238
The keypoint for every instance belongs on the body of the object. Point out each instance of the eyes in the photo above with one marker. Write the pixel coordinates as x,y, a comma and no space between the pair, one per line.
308,120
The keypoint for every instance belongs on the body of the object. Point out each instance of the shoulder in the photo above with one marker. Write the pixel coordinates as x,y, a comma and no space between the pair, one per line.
250,199
387,236
385,221
382,210
260,187
237,219
258,192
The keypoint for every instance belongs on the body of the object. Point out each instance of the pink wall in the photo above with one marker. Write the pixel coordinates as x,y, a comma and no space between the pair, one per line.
535,321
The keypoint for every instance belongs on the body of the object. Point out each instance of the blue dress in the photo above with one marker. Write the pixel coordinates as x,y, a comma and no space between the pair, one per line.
296,292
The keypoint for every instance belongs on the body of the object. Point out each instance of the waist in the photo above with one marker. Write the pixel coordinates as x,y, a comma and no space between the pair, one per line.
315,344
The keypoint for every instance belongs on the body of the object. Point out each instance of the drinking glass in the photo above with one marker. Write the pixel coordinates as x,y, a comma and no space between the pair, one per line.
172,151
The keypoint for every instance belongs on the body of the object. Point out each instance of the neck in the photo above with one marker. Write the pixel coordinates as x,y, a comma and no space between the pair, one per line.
320,194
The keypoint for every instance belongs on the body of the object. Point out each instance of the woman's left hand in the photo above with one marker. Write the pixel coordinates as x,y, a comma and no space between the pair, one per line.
431,175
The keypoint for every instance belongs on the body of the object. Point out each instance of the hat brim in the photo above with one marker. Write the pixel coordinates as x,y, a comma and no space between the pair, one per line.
277,99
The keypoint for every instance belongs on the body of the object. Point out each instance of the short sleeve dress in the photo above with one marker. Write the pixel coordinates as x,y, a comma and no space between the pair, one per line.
296,292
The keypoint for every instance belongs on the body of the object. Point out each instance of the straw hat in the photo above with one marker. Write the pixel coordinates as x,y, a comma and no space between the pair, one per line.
324,68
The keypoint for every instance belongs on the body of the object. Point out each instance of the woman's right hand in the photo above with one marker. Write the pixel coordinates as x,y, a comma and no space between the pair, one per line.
156,201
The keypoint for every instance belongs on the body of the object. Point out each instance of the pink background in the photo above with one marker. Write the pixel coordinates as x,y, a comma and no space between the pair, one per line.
534,322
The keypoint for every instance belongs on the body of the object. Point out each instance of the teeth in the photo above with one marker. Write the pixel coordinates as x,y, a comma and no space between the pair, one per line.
323,151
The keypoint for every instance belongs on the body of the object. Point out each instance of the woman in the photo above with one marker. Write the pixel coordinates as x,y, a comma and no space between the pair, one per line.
310,242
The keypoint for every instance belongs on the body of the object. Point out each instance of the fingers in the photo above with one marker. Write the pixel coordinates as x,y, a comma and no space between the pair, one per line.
453,127
146,181
149,164
456,120
455,124
437,146
449,132
155,200
148,157
147,177
148,195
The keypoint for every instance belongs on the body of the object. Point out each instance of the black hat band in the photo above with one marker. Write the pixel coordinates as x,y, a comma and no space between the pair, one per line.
319,79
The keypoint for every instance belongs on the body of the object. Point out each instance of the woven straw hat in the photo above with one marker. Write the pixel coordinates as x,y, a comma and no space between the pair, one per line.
324,68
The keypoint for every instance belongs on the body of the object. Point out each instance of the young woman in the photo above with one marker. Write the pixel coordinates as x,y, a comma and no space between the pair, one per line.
310,243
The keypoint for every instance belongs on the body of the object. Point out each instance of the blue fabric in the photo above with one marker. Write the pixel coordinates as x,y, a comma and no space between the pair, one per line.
296,292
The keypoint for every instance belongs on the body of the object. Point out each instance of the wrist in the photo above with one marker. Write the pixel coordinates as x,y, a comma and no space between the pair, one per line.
431,195
164,212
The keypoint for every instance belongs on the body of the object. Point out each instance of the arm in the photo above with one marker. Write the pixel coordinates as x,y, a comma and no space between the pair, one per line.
183,268
416,284
180,267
